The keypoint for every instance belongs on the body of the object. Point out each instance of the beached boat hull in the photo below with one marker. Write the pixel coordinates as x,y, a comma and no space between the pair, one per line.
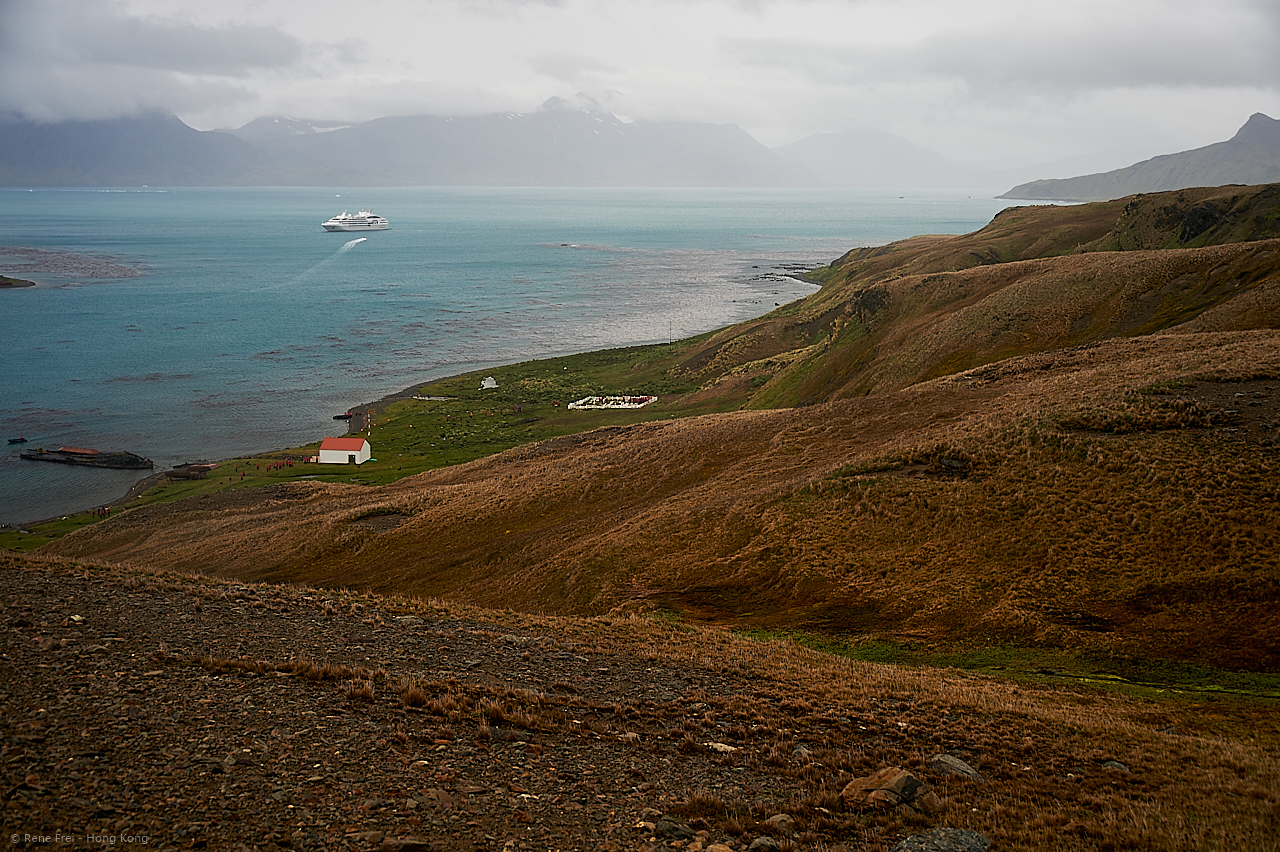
119,461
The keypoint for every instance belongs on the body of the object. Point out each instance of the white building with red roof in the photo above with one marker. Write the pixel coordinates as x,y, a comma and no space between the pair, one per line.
344,451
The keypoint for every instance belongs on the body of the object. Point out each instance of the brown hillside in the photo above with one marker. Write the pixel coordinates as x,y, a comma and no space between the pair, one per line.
1056,430
1034,279
1097,496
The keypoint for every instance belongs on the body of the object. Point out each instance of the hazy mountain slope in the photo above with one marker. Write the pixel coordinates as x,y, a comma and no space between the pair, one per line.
1252,156
273,130
154,149
869,158
555,146
1090,482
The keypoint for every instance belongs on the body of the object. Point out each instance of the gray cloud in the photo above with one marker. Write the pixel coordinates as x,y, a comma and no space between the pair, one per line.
1228,51
569,67
985,79
1042,55
76,59
233,50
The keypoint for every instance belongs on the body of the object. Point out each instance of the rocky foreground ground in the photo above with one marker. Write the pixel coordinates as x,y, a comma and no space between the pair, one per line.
182,713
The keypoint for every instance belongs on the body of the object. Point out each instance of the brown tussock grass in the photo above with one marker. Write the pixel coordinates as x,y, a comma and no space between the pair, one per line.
579,516
808,517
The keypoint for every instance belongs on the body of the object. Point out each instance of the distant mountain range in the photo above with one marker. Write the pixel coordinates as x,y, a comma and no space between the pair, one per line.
1250,157
561,144
564,143
154,149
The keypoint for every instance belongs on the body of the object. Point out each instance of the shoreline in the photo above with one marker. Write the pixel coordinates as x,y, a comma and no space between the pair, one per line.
361,412
360,415
358,423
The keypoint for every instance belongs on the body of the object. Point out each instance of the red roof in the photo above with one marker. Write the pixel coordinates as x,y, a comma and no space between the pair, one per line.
343,444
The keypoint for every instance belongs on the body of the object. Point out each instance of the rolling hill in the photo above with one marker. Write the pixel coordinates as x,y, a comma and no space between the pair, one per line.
1059,430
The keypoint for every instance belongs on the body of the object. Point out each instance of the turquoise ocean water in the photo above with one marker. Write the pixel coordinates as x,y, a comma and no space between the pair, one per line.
250,326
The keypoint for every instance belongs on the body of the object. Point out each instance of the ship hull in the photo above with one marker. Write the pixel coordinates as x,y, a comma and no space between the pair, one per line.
118,461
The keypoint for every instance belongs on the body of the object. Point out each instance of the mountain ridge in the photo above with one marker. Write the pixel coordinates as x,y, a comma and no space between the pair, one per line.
1251,156
567,142
559,145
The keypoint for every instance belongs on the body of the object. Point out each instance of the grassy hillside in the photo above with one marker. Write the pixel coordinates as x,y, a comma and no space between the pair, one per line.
1058,499
1035,279
1056,432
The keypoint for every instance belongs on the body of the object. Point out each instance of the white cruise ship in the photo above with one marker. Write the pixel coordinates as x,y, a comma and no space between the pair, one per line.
362,221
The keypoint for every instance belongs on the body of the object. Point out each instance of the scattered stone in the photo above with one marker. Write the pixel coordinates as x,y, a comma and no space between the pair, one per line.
311,769
406,844
945,764
721,747
1115,766
407,621
782,822
518,641
440,798
944,840
669,829
763,843
366,836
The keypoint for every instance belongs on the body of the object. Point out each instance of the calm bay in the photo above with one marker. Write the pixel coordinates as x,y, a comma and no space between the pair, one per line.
207,323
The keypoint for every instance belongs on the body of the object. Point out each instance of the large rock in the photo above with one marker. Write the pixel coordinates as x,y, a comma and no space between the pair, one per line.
669,829
890,787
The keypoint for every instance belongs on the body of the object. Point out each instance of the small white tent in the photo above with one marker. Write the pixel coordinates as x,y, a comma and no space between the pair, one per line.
344,451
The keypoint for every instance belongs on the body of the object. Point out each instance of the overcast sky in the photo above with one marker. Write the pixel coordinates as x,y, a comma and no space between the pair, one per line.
1004,81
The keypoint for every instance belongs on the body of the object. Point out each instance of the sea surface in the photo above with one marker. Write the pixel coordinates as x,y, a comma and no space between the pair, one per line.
185,324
